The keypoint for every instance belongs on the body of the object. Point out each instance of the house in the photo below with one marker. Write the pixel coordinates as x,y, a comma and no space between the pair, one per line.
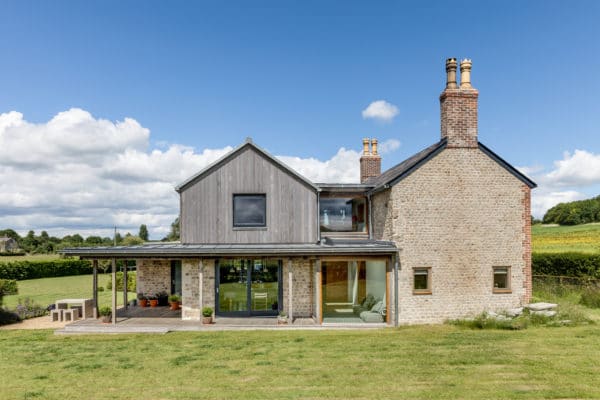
444,234
8,244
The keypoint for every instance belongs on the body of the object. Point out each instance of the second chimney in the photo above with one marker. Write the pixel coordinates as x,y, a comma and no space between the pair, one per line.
370,161
458,106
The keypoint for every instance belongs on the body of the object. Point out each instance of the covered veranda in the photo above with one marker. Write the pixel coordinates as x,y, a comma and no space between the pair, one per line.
201,287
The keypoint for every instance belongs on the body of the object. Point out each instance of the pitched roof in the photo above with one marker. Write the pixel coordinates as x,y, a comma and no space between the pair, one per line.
406,167
232,154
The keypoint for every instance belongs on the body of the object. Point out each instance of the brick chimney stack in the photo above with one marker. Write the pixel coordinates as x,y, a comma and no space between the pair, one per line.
458,105
370,160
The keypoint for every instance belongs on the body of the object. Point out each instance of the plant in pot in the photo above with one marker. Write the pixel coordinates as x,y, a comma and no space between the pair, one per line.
207,313
163,298
142,299
174,300
106,314
282,318
153,301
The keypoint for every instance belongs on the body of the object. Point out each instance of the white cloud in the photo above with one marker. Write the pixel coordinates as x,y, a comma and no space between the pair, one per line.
77,173
380,110
343,167
580,168
566,182
389,146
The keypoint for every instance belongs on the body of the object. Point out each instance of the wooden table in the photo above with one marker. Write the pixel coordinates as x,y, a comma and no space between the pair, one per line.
87,306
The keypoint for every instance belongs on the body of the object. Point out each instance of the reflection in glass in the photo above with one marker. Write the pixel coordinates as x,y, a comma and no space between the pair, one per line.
354,291
343,214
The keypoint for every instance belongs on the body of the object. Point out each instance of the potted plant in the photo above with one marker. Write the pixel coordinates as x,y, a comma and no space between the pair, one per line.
153,301
163,298
207,313
282,318
174,300
106,314
143,300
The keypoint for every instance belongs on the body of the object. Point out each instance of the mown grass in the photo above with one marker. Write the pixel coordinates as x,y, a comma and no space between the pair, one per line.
46,291
30,257
558,239
422,362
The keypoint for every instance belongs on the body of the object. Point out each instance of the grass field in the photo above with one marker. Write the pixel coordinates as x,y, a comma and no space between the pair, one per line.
47,290
30,257
425,362
559,239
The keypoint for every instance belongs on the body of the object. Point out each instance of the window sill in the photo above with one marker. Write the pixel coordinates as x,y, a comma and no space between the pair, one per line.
420,292
249,228
502,291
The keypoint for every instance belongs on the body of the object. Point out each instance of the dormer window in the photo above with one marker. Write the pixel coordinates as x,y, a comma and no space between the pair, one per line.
343,214
249,210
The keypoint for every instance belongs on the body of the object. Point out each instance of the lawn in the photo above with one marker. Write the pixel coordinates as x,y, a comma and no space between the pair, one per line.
421,362
47,290
559,239
31,257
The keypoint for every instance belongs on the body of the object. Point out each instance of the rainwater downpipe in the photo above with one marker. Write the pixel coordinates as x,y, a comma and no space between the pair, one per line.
396,268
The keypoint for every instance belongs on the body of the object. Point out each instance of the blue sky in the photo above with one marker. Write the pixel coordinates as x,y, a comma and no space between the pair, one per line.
296,75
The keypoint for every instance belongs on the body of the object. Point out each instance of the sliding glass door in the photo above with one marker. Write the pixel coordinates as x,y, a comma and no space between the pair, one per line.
248,287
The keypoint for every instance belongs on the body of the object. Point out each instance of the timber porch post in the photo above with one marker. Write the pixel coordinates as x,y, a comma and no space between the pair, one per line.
95,287
114,291
290,291
125,284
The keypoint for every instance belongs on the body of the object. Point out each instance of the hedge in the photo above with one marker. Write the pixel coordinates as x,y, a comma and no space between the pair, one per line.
566,264
131,281
21,270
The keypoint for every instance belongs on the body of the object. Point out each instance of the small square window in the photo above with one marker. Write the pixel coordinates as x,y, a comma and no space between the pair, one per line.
502,279
422,281
249,210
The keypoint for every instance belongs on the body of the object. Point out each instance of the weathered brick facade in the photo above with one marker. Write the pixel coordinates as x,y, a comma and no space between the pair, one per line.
153,276
302,287
460,214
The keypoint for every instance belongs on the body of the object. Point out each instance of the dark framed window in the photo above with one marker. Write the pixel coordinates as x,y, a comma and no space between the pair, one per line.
501,279
422,281
249,210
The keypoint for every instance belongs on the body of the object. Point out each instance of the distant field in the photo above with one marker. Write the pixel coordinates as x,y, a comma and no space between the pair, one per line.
34,257
47,290
560,239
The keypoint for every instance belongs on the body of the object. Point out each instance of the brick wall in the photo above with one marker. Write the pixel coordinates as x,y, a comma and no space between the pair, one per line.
302,287
190,305
153,276
460,214
458,109
370,166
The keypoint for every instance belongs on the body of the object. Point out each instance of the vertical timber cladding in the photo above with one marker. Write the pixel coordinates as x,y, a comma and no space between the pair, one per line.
460,213
207,204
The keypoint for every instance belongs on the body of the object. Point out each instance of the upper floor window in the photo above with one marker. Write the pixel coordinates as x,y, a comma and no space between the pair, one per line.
249,210
343,214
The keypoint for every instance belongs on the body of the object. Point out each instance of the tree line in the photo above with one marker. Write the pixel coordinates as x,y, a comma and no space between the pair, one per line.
46,244
574,212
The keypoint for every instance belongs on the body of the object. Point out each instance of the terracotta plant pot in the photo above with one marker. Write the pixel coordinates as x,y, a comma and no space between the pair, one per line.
174,305
143,303
207,320
107,319
153,303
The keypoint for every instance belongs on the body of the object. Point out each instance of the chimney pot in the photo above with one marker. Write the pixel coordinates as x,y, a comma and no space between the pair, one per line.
374,147
366,151
451,73
465,74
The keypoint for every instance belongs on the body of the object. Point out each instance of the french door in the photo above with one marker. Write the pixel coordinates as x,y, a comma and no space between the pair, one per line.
247,287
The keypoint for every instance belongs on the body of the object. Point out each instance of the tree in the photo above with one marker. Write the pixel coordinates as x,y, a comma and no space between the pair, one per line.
131,240
143,234
174,234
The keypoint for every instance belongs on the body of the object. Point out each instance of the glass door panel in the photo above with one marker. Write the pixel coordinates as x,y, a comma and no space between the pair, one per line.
233,286
264,294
